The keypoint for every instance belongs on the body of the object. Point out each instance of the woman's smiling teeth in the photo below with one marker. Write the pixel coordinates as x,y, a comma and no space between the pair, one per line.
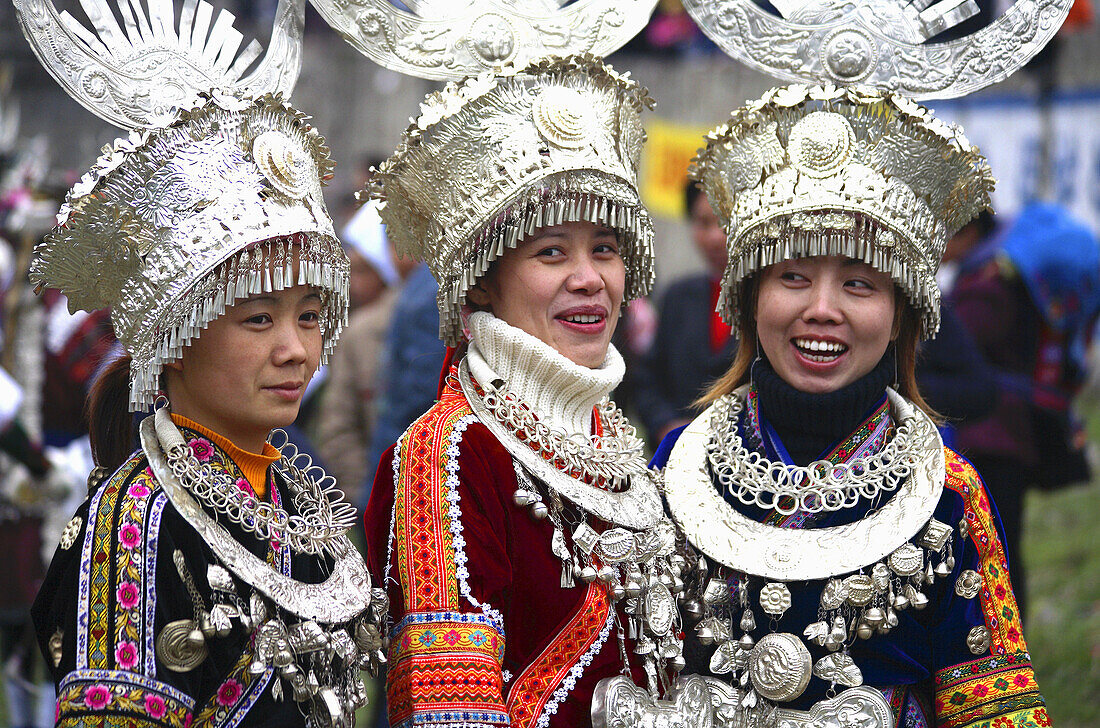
583,318
820,351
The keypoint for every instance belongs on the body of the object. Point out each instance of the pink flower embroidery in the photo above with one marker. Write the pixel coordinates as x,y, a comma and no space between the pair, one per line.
126,655
139,490
130,536
229,692
155,707
97,697
148,472
244,487
127,594
201,448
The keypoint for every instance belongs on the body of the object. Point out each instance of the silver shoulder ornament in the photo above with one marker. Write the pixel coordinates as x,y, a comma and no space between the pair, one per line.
882,43
453,39
136,74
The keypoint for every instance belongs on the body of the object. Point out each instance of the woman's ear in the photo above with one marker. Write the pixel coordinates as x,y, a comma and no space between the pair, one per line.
478,295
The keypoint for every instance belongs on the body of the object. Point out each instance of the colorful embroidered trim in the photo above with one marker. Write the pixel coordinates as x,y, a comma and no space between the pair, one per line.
423,529
107,697
236,695
989,689
445,668
909,710
118,587
535,687
1002,616
575,673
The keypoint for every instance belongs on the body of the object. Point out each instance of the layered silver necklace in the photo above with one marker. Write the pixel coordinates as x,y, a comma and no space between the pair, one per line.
871,569
636,559
317,637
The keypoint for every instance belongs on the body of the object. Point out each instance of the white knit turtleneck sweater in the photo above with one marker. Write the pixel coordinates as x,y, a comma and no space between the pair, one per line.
559,392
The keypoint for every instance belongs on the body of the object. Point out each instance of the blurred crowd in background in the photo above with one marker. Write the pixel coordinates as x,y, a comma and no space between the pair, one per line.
1021,292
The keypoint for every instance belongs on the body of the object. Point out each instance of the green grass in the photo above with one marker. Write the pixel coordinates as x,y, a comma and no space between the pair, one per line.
1062,556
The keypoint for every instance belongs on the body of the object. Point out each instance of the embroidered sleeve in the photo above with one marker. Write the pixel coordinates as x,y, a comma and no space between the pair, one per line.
447,649
997,686
115,677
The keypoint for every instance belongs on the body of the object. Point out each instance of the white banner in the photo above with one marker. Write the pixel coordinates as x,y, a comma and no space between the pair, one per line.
1008,129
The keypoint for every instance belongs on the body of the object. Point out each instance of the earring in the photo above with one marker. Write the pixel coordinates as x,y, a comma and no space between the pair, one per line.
752,367
894,347
160,401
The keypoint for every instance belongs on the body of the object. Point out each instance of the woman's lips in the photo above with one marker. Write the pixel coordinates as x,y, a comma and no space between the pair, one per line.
586,319
290,391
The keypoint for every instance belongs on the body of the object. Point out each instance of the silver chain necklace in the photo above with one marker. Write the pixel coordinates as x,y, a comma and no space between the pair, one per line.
612,458
323,515
820,486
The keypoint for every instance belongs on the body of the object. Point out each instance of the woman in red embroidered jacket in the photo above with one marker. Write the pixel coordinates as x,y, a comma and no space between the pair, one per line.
513,516
857,571
207,580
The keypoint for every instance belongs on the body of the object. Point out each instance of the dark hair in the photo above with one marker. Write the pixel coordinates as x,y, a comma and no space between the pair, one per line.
908,322
110,423
692,192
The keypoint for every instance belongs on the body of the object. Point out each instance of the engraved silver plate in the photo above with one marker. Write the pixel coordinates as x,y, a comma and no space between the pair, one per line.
176,650
660,608
779,666
935,535
615,546
789,554
907,560
862,707
458,38
619,703
132,78
880,43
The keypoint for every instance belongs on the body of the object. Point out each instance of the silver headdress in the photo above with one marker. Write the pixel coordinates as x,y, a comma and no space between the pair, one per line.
493,158
884,43
858,172
198,207
452,39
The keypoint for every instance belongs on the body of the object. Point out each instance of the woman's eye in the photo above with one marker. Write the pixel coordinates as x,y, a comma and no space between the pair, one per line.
607,249
860,284
258,320
550,252
793,276
310,317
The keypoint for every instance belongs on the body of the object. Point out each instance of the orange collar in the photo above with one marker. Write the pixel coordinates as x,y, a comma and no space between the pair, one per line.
254,466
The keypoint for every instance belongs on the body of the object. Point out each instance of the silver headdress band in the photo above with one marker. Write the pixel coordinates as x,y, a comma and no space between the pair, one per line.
196,208
494,158
452,39
858,172
883,43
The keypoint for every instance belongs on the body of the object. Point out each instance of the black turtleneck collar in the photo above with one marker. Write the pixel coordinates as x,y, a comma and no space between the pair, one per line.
808,424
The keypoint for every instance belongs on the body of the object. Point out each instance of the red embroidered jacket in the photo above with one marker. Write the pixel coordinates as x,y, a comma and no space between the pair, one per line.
483,633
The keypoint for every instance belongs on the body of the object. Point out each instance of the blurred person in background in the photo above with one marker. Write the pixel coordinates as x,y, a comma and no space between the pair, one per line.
349,408
1029,295
693,346
411,359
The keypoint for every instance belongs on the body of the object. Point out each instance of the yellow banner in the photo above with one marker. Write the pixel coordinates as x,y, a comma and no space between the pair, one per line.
665,158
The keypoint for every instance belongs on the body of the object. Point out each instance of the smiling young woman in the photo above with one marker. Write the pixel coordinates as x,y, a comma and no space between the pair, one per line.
508,514
822,496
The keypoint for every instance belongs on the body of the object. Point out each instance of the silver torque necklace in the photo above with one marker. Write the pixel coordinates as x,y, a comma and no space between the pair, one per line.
638,507
789,554
323,517
340,598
